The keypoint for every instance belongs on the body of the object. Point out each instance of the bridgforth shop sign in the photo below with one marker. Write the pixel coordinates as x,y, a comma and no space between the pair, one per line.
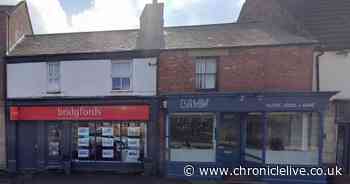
112,112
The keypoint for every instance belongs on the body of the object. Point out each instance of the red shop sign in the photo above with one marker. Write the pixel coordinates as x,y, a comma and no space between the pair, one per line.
77,113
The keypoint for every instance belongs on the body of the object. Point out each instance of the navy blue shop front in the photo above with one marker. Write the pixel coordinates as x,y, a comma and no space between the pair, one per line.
245,129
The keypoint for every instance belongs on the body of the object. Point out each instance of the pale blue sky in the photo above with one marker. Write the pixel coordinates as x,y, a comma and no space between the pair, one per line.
50,16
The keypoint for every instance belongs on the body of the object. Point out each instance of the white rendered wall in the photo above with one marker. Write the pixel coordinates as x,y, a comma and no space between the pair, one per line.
335,74
85,78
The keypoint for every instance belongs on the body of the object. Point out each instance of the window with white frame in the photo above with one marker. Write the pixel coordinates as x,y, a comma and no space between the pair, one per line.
53,77
205,73
121,75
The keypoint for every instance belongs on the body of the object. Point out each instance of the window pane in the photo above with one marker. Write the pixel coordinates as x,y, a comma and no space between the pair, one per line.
292,138
206,73
192,138
110,141
211,67
116,83
200,67
254,137
125,83
121,69
53,76
210,81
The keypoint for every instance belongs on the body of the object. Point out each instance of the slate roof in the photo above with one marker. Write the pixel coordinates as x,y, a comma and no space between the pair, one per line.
328,21
6,8
202,36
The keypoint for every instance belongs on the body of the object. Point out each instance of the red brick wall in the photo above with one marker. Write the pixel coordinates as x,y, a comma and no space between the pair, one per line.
250,69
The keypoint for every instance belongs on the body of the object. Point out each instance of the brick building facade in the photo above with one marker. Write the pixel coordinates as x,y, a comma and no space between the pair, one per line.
280,68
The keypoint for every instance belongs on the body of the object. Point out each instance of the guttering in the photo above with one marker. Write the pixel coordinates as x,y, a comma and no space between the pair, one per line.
320,49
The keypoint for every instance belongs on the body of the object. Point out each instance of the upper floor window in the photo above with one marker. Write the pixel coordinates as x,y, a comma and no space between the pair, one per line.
53,77
206,73
121,75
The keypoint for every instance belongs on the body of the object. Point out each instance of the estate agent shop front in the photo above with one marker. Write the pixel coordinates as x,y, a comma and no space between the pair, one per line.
118,135
233,129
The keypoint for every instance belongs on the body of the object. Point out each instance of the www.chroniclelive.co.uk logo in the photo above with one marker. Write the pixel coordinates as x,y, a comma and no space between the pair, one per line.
190,170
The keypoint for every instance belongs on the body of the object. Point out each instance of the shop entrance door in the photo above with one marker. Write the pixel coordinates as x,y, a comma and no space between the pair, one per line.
27,147
54,144
343,148
228,145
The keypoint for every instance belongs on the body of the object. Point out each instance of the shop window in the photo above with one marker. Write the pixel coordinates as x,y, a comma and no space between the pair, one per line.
192,138
121,75
110,141
53,77
205,73
292,138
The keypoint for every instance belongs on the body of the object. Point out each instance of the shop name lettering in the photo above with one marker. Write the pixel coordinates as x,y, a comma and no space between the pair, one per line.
290,105
79,112
194,103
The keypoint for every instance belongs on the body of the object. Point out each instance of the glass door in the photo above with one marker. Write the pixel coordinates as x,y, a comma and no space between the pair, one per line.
54,143
229,138
254,138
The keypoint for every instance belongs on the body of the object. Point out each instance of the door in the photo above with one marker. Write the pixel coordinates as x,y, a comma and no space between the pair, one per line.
343,148
228,143
27,147
54,143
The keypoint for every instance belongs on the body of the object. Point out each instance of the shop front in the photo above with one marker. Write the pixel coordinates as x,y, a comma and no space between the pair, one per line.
106,135
244,129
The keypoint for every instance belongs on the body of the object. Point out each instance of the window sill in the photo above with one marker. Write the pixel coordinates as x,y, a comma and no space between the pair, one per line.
121,91
53,92
207,90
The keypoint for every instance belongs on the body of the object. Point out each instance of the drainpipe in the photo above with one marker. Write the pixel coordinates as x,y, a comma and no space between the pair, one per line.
318,68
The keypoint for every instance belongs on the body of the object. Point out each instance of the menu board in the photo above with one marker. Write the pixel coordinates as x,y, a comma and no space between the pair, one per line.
83,142
107,153
134,143
83,153
83,131
107,142
134,131
107,131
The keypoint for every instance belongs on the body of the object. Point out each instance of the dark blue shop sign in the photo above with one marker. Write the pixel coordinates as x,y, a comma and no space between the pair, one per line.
249,102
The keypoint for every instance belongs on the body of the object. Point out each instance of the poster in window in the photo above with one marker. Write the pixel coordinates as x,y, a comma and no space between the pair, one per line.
107,142
83,142
84,131
134,143
107,153
54,148
133,131
83,153
132,155
107,131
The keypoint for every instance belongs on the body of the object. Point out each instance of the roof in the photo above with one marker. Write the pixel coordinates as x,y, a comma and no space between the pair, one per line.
185,37
6,8
328,21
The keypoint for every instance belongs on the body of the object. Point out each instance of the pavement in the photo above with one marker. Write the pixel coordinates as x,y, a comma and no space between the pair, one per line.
86,178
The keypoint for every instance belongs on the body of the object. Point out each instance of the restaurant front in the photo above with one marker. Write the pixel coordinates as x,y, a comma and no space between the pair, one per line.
93,135
244,129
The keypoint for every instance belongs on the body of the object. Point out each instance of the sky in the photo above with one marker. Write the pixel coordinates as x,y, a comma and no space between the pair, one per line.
57,16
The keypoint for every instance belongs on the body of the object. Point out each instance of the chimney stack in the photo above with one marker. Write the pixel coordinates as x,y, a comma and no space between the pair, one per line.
151,35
